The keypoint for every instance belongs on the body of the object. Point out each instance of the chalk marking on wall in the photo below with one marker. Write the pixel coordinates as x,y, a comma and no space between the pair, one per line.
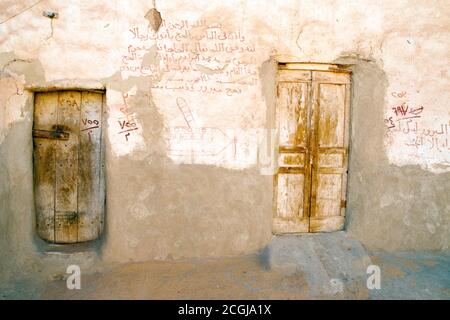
125,133
186,112
424,141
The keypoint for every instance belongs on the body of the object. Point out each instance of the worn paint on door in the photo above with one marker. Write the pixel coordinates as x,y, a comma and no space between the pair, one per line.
313,125
68,165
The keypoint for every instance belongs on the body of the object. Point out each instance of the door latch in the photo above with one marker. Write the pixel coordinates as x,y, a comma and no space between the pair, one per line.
48,134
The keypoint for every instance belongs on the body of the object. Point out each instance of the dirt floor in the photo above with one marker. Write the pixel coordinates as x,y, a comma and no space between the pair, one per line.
333,267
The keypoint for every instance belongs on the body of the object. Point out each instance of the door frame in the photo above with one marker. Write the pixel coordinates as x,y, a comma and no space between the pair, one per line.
324,67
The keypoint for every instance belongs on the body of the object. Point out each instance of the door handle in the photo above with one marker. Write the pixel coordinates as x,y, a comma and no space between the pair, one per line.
48,134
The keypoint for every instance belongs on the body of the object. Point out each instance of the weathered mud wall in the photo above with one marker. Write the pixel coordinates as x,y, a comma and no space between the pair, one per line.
389,206
189,180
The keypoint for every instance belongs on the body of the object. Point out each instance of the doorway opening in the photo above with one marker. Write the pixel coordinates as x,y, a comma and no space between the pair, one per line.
68,153
312,119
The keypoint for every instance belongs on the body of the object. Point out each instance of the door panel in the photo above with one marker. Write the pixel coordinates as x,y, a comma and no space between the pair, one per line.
328,194
44,164
290,190
66,218
290,216
312,121
90,167
292,114
331,116
292,180
331,160
329,148
68,166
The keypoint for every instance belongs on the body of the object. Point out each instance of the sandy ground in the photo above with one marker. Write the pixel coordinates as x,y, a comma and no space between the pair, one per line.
333,267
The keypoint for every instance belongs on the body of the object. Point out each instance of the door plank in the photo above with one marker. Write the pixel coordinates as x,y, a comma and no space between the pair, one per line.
90,200
295,76
102,194
66,206
45,115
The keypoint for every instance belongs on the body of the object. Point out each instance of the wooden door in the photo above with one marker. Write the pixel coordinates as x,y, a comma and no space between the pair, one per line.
68,165
292,182
313,125
329,147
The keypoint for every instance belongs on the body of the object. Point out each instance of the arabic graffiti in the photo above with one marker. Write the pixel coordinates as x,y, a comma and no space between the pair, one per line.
418,136
127,123
194,56
403,112
404,122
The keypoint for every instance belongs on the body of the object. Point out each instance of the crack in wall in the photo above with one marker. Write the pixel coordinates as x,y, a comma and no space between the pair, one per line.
51,30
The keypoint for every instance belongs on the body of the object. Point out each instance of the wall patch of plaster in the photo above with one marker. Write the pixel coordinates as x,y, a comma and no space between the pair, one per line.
124,129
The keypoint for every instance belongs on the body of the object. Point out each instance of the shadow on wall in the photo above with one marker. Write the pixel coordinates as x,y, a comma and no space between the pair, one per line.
157,209
17,249
389,207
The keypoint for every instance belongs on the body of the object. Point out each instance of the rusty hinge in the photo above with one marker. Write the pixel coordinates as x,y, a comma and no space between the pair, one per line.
343,203
46,134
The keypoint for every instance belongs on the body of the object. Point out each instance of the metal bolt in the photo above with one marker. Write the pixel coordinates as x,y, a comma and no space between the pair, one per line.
50,14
